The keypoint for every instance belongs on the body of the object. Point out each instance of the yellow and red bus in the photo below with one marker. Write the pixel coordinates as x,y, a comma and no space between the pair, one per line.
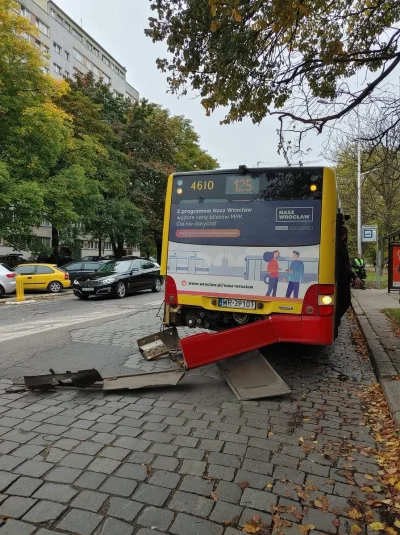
250,254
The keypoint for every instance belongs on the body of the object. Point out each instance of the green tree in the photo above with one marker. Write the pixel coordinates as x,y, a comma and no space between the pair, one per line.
257,57
34,132
158,145
99,121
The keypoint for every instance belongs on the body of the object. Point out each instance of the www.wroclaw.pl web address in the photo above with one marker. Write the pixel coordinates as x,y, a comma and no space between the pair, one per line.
221,285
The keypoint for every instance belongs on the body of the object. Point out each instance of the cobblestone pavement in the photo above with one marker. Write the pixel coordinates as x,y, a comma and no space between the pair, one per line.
188,460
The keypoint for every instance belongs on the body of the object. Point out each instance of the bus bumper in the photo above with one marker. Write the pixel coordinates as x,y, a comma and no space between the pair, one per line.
202,349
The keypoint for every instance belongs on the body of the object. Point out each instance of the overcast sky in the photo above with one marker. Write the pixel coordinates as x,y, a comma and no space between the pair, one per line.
119,27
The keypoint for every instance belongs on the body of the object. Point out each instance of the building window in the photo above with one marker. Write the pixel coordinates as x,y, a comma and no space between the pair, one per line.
96,70
43,48
45,69
89,65
78,72
45,241
66,74
95,51
45,223
106,78
59,19
76,34
25,13
57,48
53,13
77,56
57,68
42,27
88,45
66,26
66,55
106,61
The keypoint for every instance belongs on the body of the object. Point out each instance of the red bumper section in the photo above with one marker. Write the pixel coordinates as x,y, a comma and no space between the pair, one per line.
204,348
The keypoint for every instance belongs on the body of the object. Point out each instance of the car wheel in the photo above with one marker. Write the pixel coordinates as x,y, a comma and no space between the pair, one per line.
55,287
2,292
157,285
82,296
120,290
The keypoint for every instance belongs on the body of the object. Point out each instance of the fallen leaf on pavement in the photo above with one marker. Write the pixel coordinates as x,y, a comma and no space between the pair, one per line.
243,485
355,530
397,523
336,522
354,514
306,528
256,518
214,496
368,476
377,526
367,489
250,528
391,471
390,531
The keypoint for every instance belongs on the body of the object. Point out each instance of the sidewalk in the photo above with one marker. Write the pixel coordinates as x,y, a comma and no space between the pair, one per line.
383,344
8,300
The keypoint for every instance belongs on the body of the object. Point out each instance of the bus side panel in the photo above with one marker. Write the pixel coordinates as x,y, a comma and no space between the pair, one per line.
167,217
328,228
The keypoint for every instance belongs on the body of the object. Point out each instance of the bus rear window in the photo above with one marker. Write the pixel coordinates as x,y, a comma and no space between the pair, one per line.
278,207
263,185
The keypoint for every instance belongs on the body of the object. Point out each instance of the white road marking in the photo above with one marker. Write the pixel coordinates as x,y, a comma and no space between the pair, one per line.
28,328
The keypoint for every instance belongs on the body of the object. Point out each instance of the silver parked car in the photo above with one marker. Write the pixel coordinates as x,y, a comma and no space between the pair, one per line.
7,280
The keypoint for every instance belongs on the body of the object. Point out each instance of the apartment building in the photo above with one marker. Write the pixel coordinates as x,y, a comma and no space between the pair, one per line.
69,50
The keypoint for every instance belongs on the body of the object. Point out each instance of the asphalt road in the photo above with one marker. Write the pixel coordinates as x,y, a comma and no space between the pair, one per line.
38,335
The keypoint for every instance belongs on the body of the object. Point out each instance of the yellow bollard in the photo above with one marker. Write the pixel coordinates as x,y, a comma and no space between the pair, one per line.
20,288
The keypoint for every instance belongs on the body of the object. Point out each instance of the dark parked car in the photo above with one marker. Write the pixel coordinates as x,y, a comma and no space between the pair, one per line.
77,269
96,258
12,259
119,278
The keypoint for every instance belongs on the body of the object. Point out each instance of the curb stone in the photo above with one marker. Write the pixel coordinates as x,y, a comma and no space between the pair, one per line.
381,362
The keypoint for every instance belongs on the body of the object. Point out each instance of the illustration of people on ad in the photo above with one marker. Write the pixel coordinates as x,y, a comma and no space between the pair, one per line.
296,273
252,272
273,271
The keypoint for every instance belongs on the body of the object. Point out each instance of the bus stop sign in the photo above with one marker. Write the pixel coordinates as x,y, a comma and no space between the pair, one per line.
369,233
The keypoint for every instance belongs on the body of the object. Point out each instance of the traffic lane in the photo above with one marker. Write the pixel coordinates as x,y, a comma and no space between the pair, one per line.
283,462
67,306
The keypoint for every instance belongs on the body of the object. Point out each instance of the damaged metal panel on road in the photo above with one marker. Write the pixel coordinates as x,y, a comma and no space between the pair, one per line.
162,343
143,380
80,379
250,376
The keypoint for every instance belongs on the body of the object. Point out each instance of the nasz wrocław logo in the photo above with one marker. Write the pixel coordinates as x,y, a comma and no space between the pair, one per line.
294,214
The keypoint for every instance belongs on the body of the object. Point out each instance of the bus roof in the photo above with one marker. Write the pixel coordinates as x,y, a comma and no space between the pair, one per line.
244,170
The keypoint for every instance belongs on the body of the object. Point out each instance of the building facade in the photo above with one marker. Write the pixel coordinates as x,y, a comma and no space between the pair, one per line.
69,50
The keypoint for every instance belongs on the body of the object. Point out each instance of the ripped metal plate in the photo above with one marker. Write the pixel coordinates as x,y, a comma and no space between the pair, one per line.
159,344
143,380
250,376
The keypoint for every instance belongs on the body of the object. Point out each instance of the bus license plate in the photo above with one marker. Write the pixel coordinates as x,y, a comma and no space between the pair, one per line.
237,303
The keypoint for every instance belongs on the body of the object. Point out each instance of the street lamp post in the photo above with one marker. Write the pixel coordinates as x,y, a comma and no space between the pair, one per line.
359,244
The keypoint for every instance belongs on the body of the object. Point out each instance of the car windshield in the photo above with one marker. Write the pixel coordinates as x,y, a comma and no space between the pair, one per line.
119,266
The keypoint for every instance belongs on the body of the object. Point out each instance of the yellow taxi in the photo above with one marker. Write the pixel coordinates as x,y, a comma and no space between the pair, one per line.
43,277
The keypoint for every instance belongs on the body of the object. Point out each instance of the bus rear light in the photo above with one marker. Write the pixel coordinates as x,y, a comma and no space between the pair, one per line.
318,300
171,293
325,300
328,310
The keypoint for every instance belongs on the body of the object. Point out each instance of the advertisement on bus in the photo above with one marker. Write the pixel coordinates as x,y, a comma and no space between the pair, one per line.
394,266
266,273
